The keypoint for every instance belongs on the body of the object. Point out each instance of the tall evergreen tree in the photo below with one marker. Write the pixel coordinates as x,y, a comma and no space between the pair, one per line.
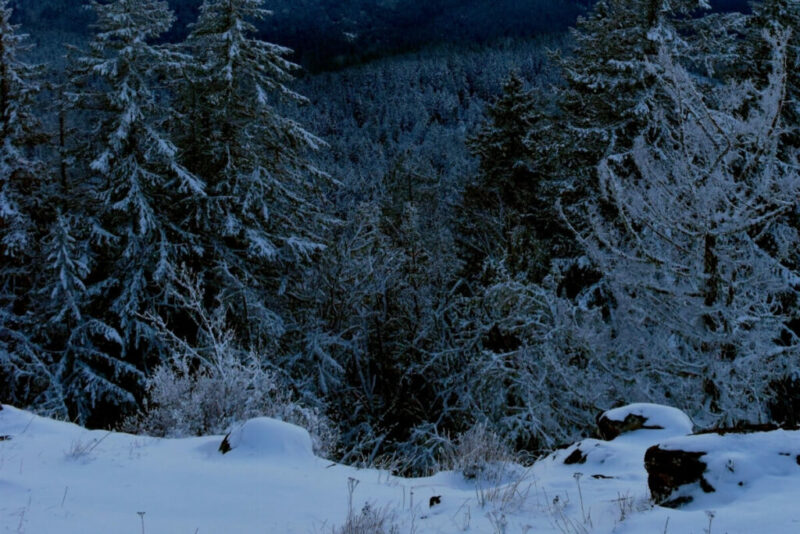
138,191
509,208
607,85
22,180
20,132
261,217
774,16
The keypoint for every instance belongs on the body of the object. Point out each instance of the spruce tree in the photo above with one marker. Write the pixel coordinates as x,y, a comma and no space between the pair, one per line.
138,192
604,102
82,369
774,16
20,132
607,87
771,18
22,182
261,216
509,208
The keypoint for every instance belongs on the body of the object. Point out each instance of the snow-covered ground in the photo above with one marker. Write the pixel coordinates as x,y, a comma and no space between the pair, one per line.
58,478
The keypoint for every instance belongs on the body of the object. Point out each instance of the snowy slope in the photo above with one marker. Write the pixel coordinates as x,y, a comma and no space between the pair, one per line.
59,478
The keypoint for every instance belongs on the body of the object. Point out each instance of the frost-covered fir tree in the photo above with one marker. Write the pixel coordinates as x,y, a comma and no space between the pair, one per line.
504,157
696,257
509,206
771,17
20,132
261,214
81,369
22,179
604,100
603,103
139,193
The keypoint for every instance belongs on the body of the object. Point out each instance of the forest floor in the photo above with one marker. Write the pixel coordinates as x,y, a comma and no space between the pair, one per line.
59,478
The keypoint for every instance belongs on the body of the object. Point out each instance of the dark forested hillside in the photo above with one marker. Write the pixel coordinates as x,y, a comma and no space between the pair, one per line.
333,33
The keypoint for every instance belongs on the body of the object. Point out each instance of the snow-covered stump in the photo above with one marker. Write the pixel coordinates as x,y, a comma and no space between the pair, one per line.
718,467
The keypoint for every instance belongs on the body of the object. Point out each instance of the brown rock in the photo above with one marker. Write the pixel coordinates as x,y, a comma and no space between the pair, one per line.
575,457
610,428
668,470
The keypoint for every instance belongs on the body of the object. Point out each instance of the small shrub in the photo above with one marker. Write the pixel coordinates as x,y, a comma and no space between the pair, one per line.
80,450
481,454
215,382
185,398
370,520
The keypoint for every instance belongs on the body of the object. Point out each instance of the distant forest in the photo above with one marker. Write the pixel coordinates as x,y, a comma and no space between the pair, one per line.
329,34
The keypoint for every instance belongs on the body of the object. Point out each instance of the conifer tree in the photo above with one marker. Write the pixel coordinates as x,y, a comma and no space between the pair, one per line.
83,369
500,144
604,103
20,132
260,218
137,189
509,206
22,181
771,18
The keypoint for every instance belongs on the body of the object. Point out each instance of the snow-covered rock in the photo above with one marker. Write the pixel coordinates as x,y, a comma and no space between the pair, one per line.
669,421
628,431
719,469
267,437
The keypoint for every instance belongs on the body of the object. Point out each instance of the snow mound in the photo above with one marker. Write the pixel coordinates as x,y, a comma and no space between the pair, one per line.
603,459
264,436
643,416
15,422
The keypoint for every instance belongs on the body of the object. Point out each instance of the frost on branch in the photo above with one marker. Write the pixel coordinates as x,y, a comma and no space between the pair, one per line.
697,255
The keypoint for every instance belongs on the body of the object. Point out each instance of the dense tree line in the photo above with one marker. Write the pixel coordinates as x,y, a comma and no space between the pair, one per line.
181,166
494,238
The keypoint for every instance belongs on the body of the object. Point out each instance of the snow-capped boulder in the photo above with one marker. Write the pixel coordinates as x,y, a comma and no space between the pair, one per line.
264,436
627,433
670,421
718,468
